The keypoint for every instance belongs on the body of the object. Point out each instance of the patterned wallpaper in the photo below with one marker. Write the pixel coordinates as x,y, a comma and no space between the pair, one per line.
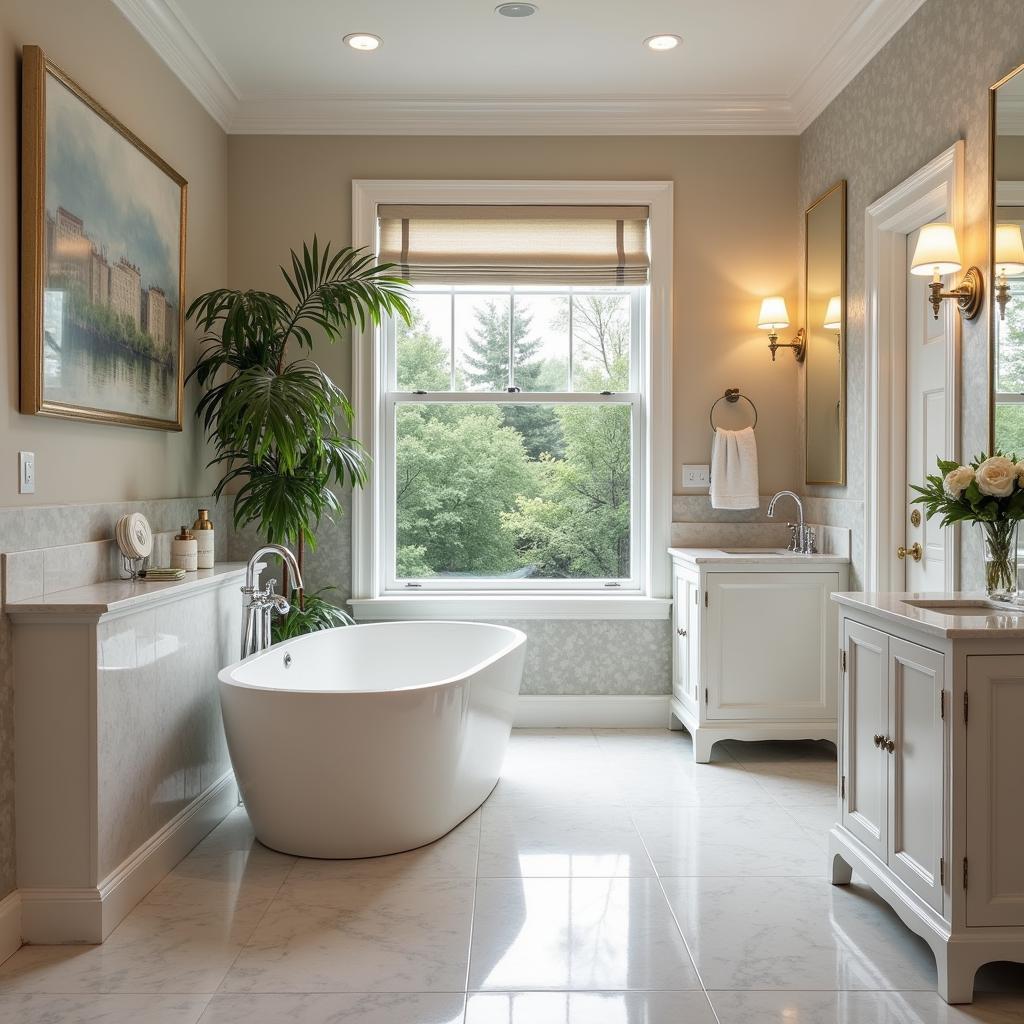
925,89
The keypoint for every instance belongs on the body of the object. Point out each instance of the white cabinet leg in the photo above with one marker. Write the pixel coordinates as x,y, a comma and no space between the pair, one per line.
956,975
702,744
673,723
842,873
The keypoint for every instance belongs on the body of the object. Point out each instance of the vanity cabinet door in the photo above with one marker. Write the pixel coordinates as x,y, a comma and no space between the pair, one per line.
769,646
865,715
995,784
681,685
692,597
917,768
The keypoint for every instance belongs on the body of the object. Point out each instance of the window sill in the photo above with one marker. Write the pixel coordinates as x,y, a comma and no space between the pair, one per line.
485,607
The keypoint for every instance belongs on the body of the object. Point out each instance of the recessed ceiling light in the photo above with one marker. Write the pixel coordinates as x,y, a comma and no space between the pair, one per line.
515,10
364,41
662,42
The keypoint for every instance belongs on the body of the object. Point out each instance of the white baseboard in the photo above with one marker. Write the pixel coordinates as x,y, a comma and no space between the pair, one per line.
10,924
592,711
90,914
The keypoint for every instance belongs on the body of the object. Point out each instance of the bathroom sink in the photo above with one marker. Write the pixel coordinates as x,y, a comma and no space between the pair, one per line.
979,607
757,551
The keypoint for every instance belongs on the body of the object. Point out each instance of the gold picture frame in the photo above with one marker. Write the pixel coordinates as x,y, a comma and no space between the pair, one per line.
102,307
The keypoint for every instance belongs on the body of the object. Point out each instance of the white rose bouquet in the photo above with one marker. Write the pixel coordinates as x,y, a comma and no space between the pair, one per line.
989,491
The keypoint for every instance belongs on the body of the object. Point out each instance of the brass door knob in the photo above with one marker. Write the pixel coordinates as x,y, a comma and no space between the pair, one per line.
915,551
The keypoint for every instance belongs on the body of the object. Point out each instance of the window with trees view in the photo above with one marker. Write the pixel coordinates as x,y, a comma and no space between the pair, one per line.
1009,409
511,425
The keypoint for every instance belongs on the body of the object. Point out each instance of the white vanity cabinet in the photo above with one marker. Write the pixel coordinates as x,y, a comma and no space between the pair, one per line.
755,655
931,802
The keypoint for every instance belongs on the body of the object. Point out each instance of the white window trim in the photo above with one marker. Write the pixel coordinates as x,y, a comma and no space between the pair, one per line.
650,600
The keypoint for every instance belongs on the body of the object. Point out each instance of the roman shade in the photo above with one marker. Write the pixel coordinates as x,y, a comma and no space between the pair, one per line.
519,245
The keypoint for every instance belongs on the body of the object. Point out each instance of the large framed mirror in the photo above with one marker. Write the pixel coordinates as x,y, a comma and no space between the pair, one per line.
825,324
1006,128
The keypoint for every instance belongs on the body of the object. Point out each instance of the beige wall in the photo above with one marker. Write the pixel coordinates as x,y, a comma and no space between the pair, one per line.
93,43
735,241
79,462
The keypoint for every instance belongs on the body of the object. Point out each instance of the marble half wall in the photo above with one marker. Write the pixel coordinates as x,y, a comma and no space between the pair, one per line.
70,545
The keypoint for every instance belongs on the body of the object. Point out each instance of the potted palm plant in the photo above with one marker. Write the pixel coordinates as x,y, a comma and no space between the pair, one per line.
279,426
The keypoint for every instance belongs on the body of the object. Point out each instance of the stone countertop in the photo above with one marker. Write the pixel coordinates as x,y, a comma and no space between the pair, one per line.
119,596
752,555
952,616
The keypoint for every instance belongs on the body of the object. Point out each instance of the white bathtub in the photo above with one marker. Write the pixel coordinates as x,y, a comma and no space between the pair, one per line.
367,740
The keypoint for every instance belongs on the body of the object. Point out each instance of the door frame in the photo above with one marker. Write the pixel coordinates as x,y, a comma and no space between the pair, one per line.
933,192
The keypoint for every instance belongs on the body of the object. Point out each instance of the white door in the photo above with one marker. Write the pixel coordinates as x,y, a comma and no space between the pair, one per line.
926,428
995,781
766,646
917,766
865,722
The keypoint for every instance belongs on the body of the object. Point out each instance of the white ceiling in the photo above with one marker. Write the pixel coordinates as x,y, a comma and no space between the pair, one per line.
577,66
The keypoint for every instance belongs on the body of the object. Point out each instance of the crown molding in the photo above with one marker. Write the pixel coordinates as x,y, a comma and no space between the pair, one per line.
850,51
441,115
167,31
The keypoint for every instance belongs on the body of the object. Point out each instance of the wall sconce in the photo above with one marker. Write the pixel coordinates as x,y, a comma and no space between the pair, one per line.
1009,261
937,253
834,315
774,316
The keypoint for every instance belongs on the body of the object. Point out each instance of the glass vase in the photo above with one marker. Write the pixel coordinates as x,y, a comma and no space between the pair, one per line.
1001,559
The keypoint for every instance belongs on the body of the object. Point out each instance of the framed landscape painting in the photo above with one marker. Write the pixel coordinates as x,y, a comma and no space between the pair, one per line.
103,262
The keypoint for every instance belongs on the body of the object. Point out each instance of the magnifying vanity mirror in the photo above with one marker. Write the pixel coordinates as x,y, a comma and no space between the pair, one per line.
1006,129
825,319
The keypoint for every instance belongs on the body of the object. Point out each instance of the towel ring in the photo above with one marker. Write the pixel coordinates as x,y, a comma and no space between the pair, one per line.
732,396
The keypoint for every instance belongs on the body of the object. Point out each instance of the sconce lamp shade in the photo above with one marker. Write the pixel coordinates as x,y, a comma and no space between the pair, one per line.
937,251
773,314
834,314
1009,250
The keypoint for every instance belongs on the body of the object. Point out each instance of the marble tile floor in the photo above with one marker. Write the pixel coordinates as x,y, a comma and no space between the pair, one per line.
608,880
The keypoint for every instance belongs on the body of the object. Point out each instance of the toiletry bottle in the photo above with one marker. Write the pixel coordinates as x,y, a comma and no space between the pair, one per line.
183,551
202,530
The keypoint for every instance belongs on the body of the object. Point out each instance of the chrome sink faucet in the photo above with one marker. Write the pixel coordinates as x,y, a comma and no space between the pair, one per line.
259,602
802,541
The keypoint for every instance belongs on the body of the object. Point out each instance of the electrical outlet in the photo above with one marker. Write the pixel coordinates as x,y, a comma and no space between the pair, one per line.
26,472
696,477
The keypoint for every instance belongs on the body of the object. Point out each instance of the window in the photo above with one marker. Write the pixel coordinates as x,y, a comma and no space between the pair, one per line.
1009,399
520,426
512,430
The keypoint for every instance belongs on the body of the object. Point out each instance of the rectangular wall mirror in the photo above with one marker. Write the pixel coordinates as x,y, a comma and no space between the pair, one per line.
825,323
1006,125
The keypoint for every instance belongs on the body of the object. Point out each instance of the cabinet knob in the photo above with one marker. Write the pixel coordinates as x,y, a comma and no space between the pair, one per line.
681,631
915,551
889,744
879,740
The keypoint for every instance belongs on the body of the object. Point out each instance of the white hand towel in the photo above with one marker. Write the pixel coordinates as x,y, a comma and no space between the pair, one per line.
734,469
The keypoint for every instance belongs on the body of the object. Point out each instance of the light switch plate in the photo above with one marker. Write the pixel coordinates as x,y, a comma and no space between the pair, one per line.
26,472
696,476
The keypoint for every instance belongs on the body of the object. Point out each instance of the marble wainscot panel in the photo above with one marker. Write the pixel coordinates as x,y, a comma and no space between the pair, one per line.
83,551
121,765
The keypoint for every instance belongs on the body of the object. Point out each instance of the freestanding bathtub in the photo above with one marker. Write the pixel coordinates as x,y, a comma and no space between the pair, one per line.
367,740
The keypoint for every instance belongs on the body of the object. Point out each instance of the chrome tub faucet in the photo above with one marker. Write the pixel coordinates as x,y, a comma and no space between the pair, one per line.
259,602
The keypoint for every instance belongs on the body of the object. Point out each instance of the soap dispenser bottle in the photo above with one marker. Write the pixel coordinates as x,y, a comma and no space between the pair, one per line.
202,531
183,551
